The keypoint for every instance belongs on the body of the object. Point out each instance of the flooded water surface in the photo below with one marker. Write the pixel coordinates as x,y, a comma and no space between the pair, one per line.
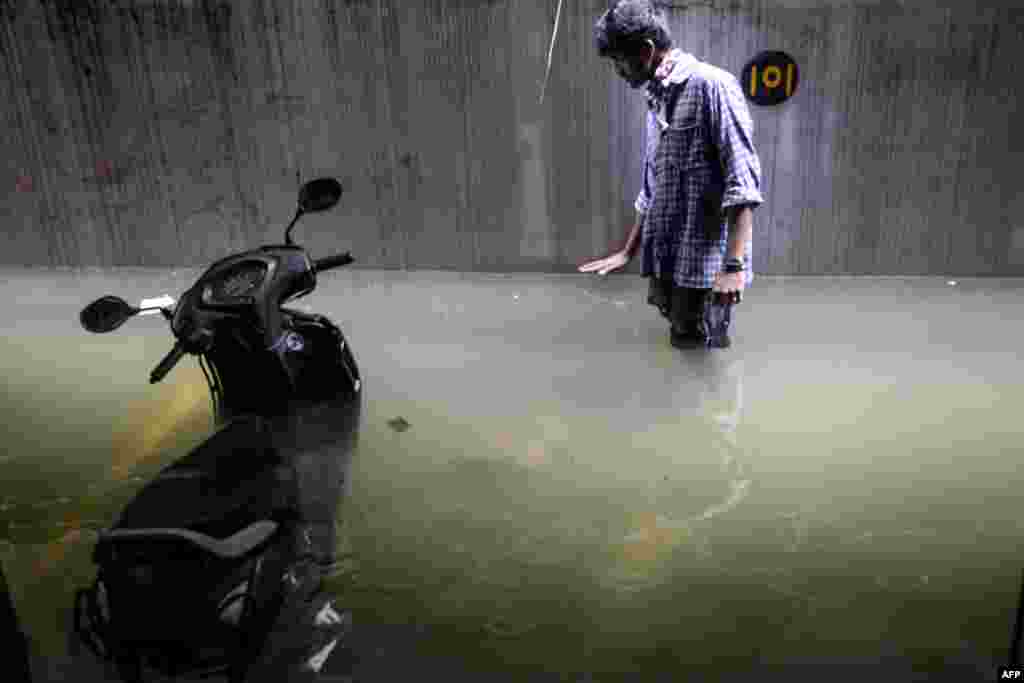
544,485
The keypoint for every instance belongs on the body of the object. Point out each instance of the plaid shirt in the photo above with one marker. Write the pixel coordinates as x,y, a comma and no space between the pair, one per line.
695,167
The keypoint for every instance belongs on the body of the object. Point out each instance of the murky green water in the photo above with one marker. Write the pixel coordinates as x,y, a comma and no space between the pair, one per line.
573,495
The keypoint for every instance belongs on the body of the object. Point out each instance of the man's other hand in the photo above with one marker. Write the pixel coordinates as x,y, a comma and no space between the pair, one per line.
730,284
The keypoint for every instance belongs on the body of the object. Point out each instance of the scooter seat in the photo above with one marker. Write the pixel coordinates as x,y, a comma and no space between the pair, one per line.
228,548
225,517
226,497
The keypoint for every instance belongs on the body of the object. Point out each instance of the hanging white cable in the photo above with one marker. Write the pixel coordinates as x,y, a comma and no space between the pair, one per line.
551,51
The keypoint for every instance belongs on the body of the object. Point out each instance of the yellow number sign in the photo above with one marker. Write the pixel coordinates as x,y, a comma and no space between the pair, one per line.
770,78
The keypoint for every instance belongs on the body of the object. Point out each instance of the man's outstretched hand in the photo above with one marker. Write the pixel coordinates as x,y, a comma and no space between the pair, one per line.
605,265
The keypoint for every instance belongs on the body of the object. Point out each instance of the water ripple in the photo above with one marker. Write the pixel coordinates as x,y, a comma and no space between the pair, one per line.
500,627
739,490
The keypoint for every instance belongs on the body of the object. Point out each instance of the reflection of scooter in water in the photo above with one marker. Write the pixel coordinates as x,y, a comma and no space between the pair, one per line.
216,565
16,662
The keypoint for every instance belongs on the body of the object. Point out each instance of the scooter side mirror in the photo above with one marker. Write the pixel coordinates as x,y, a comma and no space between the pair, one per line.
319,195
106,314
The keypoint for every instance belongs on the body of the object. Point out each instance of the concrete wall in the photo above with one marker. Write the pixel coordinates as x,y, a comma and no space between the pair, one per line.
169,132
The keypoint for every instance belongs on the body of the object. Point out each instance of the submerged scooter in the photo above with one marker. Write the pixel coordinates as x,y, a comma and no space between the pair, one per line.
215,567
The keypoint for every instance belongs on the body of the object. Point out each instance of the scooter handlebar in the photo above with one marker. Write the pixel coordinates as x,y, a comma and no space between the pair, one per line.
320,265
168,363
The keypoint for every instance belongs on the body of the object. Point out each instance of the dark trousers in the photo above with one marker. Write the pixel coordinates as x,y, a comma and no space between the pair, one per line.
695,314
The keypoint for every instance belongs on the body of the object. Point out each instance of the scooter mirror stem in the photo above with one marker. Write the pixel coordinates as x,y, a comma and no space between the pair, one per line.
288,231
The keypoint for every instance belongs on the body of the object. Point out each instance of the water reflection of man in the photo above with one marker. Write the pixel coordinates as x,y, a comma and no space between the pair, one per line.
701,178
670,527
721,404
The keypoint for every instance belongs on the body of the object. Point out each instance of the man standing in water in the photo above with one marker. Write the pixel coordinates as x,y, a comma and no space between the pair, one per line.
701,178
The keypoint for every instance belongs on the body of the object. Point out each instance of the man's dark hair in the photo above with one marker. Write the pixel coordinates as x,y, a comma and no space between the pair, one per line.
628,25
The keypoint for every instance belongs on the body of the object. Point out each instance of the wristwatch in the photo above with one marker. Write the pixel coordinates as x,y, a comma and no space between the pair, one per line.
734,265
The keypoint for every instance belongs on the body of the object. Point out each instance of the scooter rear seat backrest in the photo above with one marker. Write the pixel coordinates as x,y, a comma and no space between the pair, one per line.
232,547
